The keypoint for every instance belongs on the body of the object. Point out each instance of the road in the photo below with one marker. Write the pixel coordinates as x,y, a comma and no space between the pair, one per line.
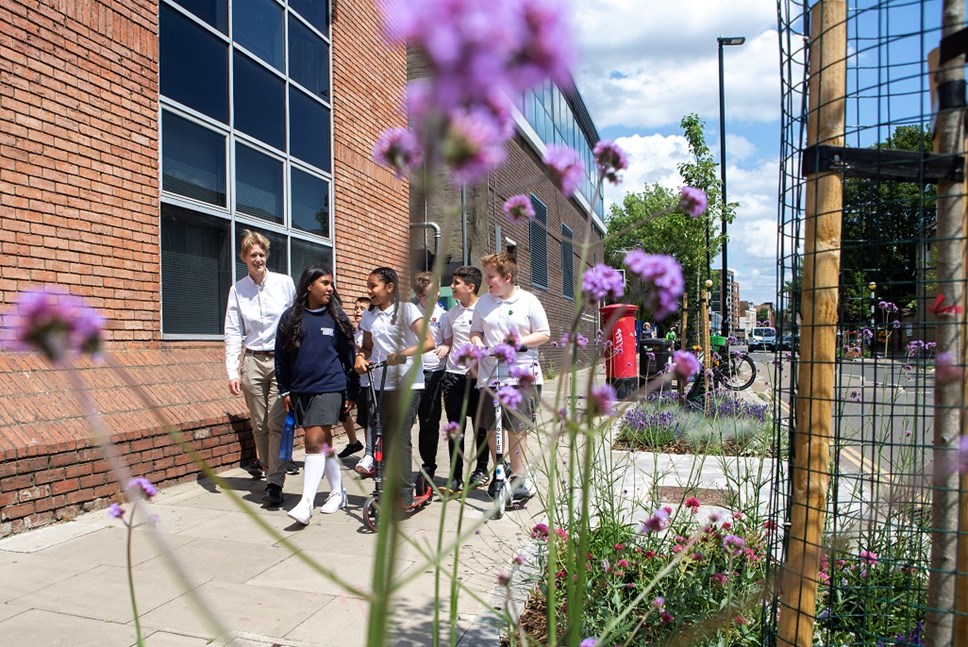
882,414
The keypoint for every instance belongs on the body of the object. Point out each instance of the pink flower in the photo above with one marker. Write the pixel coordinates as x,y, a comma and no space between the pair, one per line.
622,563
518,209
693,201
868,557
601,282
693,504
450,430
562,533
666,617
566,169
659,602
610,159
658,522
509,397
602,399
734,545
399,149
718,578
503,579
540,531
685,363
662,280
54,323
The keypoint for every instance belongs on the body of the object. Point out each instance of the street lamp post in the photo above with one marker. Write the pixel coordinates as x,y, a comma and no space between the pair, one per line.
724,41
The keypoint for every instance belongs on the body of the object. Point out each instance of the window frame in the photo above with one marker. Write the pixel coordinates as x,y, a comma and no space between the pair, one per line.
538,243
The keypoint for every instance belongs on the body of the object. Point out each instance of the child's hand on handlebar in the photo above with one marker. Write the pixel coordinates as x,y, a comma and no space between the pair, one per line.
395,359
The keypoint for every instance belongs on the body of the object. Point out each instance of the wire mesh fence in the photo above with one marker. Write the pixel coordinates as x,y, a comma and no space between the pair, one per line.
871,247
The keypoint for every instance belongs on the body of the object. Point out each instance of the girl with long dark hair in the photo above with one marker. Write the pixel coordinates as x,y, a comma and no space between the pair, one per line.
314,358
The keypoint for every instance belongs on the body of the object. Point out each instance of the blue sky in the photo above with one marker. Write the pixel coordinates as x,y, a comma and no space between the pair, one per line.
646,63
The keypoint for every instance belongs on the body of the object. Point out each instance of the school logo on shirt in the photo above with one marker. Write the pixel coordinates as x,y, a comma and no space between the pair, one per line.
328,332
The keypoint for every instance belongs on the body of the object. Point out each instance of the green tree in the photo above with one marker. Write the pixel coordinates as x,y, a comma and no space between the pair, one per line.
884,223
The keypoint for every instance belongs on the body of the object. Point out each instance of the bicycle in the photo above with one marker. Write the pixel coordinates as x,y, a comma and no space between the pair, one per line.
737,372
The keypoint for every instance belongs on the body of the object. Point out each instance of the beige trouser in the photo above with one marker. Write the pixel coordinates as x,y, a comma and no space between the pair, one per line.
267,413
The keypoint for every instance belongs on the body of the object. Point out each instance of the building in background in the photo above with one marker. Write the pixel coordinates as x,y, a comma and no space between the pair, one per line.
139,139
471,223
732,298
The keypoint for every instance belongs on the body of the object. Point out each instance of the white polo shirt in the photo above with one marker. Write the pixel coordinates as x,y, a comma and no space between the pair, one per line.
430,360
457,326
392,332
495,318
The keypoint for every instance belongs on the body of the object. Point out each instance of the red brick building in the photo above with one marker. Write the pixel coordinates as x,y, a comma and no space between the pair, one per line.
137,140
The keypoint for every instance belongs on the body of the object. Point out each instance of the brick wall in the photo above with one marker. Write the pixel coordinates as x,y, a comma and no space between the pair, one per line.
79,156
372,216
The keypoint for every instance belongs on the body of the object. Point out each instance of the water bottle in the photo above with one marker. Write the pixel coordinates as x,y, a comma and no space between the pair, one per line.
288,437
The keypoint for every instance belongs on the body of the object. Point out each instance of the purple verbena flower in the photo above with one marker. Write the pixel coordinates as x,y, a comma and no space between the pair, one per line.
472,144
509,397
693,201
146,487
450,430
545,50
566,169
398,149
588,642
54,323
945,369
602,399
602,282
662,279
468,354
518,209
525,376
657,522
734,545
659,602
504,353
610,159
685,364
115,510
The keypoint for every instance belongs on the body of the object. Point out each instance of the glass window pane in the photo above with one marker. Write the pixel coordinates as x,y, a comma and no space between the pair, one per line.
308,59
258,184
257,26
193,160
309,129
259,102
195,271
214,12
305,253
275,261
316,12
310,203
193,65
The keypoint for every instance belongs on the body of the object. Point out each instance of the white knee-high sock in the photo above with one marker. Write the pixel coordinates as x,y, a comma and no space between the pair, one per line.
333,474
312,475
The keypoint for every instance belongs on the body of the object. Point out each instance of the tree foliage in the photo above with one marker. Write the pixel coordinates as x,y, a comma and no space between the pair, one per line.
883,228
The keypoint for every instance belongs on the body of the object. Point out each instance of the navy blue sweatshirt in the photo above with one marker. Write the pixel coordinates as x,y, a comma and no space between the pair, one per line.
324,361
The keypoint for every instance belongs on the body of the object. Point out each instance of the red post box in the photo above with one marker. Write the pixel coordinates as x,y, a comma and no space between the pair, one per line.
621,356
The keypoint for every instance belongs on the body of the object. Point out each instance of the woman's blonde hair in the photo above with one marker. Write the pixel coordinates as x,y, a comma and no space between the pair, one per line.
251,239
503,262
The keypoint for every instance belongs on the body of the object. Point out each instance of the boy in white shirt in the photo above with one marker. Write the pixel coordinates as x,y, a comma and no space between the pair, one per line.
428,413
508,312
458,383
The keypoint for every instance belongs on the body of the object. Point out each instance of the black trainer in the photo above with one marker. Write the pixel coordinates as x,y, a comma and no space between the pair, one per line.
479,478
350,449
273,495
255,469
292,468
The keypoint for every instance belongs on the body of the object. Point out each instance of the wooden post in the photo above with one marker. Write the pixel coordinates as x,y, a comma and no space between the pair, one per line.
681,340
821,272
707,351
947,496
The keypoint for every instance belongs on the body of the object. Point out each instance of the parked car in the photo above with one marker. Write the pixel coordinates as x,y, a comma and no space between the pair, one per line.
763,338
790,342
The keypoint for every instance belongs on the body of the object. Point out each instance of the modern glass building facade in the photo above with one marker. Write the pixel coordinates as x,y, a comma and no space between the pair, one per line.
246,143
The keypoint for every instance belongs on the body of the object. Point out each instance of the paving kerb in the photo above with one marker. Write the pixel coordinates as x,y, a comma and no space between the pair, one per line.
66,584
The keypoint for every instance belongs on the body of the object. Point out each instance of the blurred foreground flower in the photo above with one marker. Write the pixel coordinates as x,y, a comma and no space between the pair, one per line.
610,159
602,400
693,201
518,209
685,363
399,149
602,282
662,276
566,169
54,323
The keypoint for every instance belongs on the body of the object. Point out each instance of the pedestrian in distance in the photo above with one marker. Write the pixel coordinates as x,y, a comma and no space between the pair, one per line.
255,304
393,332
434,363
459,385
314,362
349,424
506,314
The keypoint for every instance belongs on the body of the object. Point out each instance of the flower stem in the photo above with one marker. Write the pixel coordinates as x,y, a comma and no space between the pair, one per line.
134,601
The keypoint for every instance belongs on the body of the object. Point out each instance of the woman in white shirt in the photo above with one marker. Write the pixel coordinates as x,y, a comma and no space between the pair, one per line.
392,333
255,304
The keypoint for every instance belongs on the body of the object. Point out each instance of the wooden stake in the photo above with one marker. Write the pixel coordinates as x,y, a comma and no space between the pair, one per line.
818,343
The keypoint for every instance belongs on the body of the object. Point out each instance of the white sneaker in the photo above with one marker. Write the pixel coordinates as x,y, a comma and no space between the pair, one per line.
335,501
365,466
303,512
524,488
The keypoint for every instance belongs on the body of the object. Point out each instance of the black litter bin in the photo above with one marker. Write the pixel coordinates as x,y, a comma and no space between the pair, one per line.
661,350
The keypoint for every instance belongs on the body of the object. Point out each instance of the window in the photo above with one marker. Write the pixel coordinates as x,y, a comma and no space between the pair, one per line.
538,244
567,262
258,158
193,65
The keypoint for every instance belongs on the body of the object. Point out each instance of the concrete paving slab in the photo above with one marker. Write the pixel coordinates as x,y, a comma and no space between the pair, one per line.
52,629
25,574
41,538
342,622
217,559
263,610
108,546
239,527
10,610
102,593
354,569
168,639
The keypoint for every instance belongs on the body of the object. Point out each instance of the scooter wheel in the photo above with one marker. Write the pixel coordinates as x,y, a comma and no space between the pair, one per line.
500,500
371,513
